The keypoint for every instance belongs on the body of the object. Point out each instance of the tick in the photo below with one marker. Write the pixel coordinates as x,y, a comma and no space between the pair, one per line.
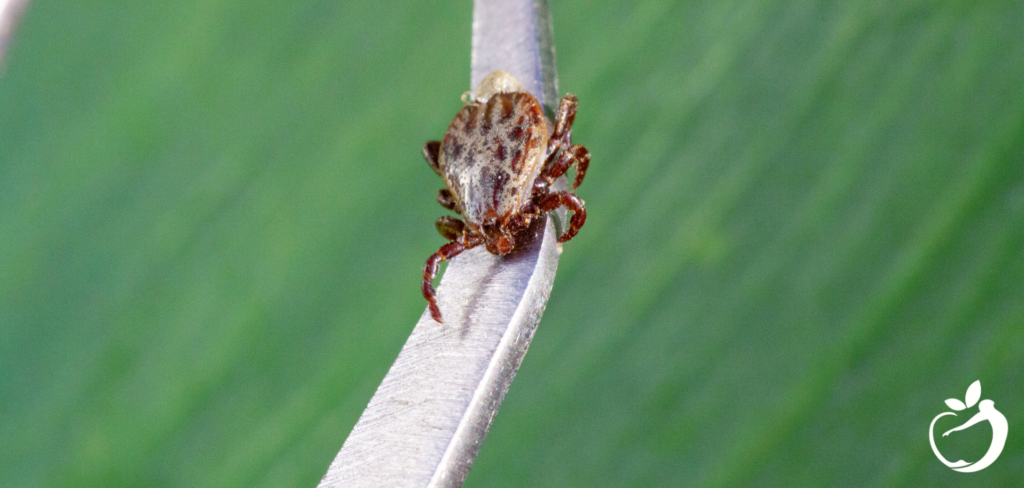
498,162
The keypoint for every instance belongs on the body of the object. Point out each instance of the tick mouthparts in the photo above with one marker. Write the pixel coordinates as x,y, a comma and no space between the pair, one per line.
496,82
505,245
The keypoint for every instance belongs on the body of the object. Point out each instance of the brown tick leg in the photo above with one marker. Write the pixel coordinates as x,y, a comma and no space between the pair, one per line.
445,253
570,201
445,198
522,219
574,155
431,151
450,227
563,121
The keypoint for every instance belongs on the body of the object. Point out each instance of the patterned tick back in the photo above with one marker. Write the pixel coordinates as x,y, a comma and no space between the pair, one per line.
491,155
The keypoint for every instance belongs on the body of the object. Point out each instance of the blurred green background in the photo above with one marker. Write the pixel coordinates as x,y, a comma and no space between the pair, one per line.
806,231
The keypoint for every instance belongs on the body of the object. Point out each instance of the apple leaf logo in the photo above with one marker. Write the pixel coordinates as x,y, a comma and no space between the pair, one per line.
973,395
986,413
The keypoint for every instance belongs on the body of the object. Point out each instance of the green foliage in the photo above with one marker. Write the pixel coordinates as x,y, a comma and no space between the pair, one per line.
805,232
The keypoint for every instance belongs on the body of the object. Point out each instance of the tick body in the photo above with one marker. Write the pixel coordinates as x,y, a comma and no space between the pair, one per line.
498,160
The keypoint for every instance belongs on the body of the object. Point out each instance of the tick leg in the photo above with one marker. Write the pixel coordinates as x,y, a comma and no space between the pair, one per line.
522,219
563,121
445,253
445,198
566,116
450,227
570,201
574,155
431,151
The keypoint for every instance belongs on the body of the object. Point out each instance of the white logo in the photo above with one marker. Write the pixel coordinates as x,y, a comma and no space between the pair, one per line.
986,412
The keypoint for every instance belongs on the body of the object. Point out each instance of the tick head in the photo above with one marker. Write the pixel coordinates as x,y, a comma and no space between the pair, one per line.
497,238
